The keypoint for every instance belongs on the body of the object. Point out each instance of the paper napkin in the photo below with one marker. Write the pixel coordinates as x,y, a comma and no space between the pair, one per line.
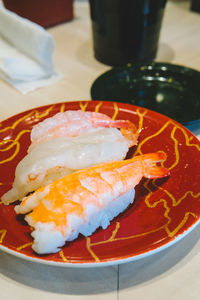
26,53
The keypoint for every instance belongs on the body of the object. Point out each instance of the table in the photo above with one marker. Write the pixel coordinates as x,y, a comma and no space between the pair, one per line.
171,274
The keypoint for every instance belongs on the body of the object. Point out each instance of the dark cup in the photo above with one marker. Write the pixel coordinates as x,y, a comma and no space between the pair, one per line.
126,30
195,6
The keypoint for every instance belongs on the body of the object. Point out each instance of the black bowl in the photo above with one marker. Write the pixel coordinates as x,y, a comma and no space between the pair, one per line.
169,89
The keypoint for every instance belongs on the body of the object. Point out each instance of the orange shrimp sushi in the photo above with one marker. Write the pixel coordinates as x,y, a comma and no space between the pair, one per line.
81,202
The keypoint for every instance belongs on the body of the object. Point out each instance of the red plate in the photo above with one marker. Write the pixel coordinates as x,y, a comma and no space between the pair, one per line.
164,211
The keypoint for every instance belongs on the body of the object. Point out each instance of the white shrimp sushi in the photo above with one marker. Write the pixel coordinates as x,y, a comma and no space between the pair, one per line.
73,123
68,142
85,200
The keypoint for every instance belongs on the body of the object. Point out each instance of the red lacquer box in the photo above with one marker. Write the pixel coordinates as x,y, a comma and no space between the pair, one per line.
43,12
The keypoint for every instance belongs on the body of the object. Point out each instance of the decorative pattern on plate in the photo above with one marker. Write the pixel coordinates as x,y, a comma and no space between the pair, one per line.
164,210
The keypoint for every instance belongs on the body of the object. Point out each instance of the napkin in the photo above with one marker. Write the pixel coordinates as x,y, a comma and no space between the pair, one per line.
26,53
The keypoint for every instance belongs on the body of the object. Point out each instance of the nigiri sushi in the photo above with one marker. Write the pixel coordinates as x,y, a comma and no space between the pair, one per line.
81,202
68,142
73,123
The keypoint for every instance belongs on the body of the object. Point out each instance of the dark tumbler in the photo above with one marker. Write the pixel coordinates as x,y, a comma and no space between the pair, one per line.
126,30
195,6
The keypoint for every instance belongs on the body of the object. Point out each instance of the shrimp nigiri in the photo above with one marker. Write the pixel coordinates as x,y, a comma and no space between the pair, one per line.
73,123
81,202
67,142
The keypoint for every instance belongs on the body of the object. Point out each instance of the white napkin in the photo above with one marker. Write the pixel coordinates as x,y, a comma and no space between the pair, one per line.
26,53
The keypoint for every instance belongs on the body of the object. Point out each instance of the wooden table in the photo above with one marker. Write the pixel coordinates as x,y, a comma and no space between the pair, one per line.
171,274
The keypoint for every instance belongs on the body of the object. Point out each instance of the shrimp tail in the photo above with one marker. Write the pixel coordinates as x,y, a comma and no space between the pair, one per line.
129,131
127,128
151,170
156,172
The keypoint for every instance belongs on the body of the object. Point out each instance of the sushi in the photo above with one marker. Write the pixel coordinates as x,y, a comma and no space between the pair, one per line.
67,142
73,123
82,201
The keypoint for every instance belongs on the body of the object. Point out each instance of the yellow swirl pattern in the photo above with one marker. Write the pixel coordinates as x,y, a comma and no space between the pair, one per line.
141,115
83,106
167,206
39,115
13,143
62,107
175,127
35,113
181,224
110,239
14,125
2,235
114,232
61,253
98,106
88,246
24,246
115,239
116,110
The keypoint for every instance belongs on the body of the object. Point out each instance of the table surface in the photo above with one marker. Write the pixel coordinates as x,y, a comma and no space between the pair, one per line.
171,274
